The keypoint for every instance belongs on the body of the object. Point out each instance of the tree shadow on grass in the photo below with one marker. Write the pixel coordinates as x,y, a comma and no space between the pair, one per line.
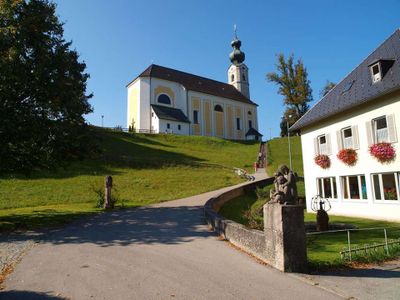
143,225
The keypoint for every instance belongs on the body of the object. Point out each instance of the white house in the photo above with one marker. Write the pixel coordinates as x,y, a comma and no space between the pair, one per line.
164,100
362,110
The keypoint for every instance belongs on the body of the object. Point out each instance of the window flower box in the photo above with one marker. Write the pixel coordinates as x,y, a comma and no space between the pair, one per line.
383,152
348,156
323,161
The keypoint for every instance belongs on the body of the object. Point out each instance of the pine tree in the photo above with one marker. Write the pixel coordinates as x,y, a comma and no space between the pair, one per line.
43,89
294,86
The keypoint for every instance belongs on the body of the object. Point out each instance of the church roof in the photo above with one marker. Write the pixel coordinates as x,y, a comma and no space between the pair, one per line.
169,113
195,83
254,132
357,87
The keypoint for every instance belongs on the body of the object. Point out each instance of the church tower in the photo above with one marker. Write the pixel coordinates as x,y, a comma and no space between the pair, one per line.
238,73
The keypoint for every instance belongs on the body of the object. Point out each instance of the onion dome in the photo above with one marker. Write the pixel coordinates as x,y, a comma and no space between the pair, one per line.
236,56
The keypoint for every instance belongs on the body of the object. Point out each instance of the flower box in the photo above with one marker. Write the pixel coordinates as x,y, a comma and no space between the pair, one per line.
383,152
348,156
323,161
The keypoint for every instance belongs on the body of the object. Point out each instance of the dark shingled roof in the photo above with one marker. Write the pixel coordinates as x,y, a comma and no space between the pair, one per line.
169,113
361,90
252,131
195,83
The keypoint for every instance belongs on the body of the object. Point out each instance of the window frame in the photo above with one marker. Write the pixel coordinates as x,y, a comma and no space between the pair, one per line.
169,98
378,76
381,188
333,184
375,129
319,144
342,133
345,184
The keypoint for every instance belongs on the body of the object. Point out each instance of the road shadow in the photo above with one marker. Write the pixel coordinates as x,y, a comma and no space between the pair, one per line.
392,271
144,225
27,295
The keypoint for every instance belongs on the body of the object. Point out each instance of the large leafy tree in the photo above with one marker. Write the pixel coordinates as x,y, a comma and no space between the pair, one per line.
42,89
294,86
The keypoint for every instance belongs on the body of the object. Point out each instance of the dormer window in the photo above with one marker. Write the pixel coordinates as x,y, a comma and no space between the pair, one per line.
376,72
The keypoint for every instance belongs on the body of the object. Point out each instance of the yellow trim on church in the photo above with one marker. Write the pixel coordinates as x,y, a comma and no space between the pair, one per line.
164,90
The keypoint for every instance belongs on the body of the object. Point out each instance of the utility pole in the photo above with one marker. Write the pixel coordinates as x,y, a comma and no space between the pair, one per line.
288,136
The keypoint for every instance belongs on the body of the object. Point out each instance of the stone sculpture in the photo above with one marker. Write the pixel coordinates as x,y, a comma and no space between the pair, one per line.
285,191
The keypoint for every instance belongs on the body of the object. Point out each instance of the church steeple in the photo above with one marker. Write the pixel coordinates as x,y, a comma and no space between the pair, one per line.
238,72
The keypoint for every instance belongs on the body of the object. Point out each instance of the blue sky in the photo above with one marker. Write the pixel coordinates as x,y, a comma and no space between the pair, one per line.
118,39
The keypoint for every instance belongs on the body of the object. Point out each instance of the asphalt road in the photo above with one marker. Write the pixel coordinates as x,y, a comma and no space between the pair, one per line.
159,252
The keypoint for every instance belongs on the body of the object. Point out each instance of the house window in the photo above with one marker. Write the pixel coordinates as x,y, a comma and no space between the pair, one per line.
347,138
322,145
250,124
179,127
354,187
164,99
218,108
237,123
196,117
168,126
380,129
386,186
327,187
376,72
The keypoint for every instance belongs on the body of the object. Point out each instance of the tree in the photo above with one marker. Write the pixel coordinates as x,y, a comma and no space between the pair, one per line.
294,86
43,89
326,89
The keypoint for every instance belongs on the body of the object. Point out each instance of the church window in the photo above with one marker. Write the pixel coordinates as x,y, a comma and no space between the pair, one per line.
232,77
237,123
218,108
244,77
164,99
250,124
249,113
196,117
168,126
179,127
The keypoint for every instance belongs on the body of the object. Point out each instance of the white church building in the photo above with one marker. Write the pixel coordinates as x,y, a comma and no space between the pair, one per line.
361,111
164,100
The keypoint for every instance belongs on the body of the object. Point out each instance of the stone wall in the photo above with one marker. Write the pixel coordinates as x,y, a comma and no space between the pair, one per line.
282,244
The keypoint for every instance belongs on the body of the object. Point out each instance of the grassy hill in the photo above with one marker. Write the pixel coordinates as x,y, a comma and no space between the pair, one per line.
145,168
278,154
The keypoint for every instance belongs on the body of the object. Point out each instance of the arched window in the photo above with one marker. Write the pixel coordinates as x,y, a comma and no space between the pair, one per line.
232,77
164,99
244,77
249,113
218,108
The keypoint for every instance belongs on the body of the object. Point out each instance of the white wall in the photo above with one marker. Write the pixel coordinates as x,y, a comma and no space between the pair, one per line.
366,164
173,127
179,91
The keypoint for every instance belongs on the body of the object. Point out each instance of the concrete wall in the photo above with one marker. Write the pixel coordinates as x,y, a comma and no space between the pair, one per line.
250,240
366,164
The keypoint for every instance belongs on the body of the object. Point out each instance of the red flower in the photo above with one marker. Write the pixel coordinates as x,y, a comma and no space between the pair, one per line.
323,161
383,152
348,156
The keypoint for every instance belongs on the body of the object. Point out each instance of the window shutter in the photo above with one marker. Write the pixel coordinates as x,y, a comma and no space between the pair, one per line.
316,152
354,132
368,126
339,139
391,128
328,144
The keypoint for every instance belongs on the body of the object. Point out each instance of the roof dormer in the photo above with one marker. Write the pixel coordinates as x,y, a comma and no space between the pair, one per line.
379,68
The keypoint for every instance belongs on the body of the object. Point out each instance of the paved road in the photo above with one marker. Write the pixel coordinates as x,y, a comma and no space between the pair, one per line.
159,252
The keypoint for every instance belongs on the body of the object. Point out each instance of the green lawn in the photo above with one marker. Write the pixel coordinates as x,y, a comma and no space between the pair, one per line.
146,169
323,250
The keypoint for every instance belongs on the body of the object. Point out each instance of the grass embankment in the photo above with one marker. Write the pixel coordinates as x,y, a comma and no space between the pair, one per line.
323,249
145,168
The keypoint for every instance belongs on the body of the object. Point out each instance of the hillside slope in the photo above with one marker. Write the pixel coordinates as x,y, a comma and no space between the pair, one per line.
146,169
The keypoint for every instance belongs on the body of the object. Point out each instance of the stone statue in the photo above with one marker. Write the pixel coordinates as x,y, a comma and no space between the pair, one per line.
285,191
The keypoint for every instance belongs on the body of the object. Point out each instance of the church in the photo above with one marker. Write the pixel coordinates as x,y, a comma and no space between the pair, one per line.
164,100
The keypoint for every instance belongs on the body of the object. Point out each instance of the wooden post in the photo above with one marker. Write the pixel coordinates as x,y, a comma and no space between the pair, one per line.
108,203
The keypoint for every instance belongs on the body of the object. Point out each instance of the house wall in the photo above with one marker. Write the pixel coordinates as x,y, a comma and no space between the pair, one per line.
366,164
